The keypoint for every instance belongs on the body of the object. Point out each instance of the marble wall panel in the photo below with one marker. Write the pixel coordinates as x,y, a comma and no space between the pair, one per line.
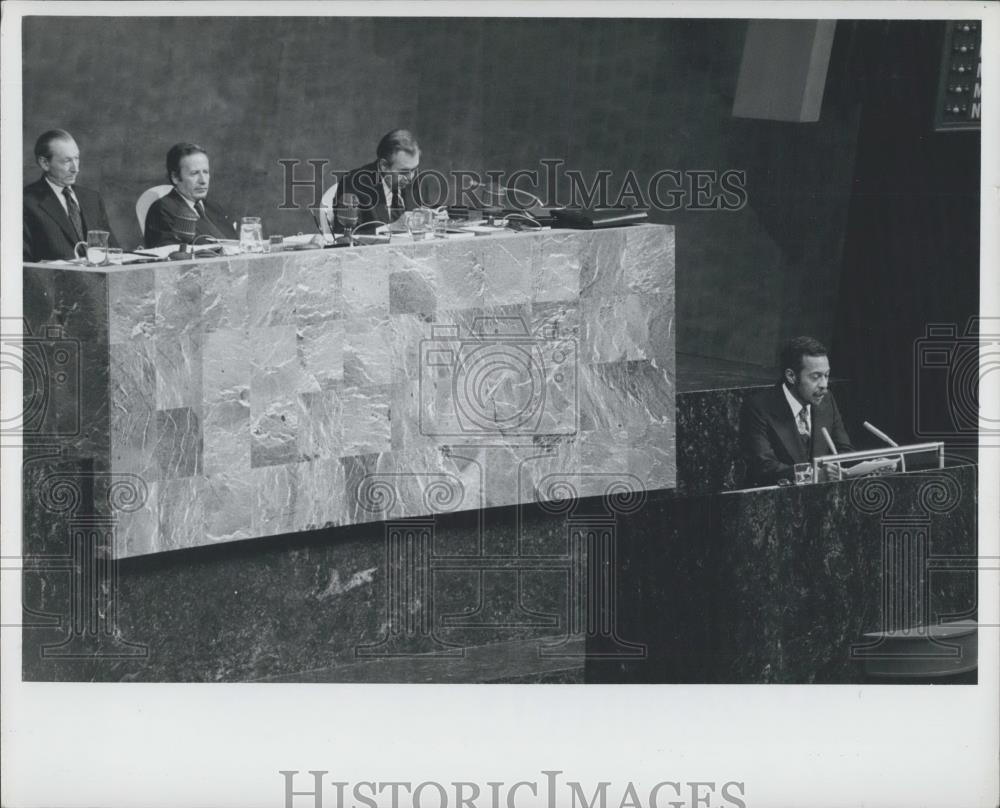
319,291
368,351
228,506
224,300
365,283
413,288
274,494
321,432
178,443
178,368
134,376
458,268
177,288
602,273
254,395
509,271
319,495
277,378
181,510
366,413
556,268
271,291
132,298
137,532
321,352
648,261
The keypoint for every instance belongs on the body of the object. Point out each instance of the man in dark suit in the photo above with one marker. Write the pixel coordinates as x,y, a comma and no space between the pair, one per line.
783,425
57,212
385,188
186,214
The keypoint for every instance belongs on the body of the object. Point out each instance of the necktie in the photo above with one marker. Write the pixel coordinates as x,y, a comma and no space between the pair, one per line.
396,208
73,210
209,228
804,432
804,422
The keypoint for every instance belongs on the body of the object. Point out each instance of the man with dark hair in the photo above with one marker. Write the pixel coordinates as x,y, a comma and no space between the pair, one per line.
186,213
782,425
385,188
57,212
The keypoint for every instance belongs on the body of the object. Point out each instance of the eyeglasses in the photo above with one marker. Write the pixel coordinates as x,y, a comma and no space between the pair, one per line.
400,172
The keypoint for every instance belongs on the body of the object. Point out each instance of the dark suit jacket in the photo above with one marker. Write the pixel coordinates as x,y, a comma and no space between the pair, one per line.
770,438
366,185
48,234
170,220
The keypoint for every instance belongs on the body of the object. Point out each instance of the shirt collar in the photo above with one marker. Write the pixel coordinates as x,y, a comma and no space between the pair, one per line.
793,402
58,189
190,203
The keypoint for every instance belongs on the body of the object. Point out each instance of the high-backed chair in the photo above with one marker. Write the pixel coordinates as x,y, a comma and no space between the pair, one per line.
147,198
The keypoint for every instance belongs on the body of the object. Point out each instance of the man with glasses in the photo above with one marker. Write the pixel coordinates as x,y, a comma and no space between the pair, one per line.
384,189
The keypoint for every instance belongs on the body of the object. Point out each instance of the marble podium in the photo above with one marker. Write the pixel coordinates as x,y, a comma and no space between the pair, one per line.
224,399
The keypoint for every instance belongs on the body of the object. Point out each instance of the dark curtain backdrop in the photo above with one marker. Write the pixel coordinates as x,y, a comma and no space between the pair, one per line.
912,252
494,94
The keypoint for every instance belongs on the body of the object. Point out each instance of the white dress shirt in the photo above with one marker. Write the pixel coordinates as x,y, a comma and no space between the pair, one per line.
388,194
797,406
58,191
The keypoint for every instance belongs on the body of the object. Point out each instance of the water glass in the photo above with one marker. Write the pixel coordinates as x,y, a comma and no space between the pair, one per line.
440,223
95,248
251,235
419,223
115,256
276,243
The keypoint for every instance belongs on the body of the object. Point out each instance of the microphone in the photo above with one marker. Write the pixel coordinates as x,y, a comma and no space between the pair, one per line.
187,251
477,183
829,440
878,433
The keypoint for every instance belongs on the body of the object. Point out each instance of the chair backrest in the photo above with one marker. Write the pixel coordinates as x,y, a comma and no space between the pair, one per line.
147,198
327,202
329,194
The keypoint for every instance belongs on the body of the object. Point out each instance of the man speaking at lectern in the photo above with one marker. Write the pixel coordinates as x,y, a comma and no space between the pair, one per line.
783,425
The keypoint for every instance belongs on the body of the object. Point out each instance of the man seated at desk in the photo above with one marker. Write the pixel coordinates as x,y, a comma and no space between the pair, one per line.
782,425
186,213
385,188
57,212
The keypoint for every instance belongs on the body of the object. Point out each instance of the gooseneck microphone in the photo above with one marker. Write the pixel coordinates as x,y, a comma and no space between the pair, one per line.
477,183
829,440
878,433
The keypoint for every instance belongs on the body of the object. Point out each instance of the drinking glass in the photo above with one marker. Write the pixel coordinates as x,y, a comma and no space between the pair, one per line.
440,223
419,222
115,256
251,235
803,473
95,248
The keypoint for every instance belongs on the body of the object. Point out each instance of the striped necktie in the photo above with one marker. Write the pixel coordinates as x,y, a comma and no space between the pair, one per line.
73,211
